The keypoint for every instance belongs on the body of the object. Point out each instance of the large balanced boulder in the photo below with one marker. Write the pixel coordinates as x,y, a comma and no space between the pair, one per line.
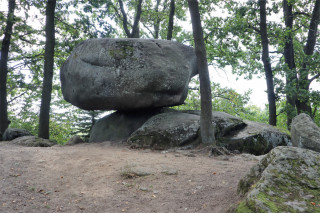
127,74
285,180
305,133
255,138
12,133
118,126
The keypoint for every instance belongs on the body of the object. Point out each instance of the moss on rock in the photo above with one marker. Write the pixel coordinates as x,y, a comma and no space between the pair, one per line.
286,180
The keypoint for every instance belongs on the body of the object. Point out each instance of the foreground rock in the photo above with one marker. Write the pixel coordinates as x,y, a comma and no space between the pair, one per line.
256,138
32,141
286,180
12,133
178,128
118,126
127,74
305,133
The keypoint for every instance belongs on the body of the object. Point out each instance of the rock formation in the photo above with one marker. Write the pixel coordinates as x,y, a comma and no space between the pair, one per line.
305,133
12,133
285,180
33,141
140,78
127,74
256,138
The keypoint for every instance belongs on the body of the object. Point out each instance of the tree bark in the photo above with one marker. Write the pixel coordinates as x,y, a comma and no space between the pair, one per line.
48,71
171,16
156,25
125,19
267,64
291,75
206,126
135,28
135,31
4,122
302,102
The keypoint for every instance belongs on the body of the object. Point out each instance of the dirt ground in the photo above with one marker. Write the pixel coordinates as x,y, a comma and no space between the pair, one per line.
103,177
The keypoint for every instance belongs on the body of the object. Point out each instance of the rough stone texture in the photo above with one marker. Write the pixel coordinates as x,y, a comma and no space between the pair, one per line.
256,138
305,133
223,122
286,180
12,133
127,74
118,126
166,130
74,140
33,141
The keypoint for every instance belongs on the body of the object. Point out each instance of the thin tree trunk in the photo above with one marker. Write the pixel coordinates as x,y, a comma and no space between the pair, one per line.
267,64
135,28
125,19
48,71
4,122
302,102
171,16
156,25
291,75
206,126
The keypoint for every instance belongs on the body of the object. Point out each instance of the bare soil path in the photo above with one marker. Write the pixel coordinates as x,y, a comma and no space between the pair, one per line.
103,177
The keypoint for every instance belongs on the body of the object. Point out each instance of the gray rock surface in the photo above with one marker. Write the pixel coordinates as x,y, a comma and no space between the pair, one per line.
223,122
33,141
166,130
118,126
285,180
127,74
256,138
74,140
305,133
12,133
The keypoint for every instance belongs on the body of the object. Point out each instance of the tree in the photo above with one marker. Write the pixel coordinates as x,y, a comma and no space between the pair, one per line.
290,73
267,64
48,71
135,31
4,122
171,17
304,82
206,126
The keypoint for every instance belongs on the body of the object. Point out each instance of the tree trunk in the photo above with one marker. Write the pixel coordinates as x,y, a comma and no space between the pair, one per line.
171,16
4,122
267,64
291,75
125,19
48,71
206,126
135,28
156,25
302,102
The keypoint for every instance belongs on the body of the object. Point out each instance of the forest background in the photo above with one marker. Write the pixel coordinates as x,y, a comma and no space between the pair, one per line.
236,38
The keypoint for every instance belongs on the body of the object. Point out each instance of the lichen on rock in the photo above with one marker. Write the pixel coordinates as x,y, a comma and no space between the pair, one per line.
285,180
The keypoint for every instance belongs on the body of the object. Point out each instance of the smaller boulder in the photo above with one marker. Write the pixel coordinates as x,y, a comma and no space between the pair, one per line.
118,126
74,140
33,141
255,138
166,130
13,133
305,133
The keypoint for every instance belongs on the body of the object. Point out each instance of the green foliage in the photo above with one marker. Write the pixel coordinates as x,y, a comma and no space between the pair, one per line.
225,100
